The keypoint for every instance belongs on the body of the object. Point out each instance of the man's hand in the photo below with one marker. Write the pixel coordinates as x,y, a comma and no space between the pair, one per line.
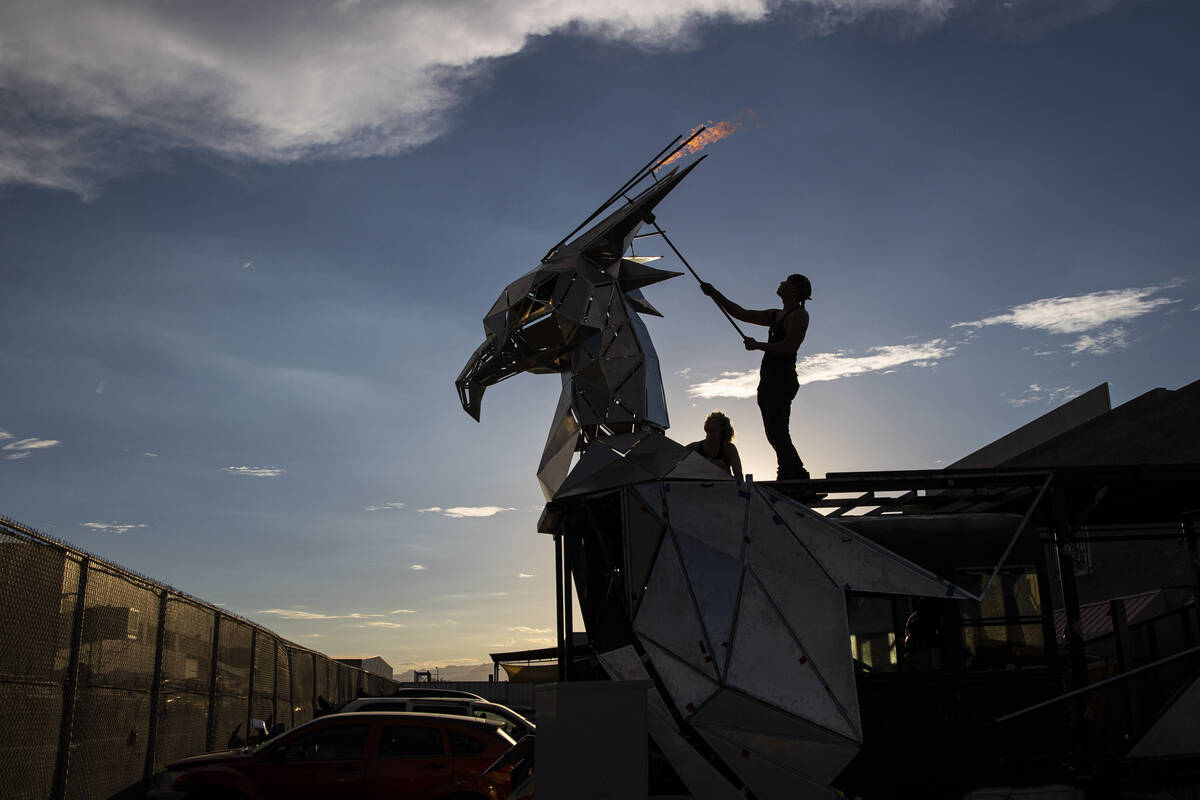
708,289
751,344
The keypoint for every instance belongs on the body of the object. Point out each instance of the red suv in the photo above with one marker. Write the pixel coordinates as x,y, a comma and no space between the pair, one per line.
370,755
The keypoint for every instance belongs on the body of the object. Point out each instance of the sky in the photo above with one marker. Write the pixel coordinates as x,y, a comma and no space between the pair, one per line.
245,249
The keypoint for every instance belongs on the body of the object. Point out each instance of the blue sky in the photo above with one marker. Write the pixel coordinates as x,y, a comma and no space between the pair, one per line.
245,251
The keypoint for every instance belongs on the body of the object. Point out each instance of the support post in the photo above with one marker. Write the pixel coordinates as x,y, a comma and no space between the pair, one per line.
250,680
1190,530
70,687
210,735
1064,545
1123,646
568,612
156,685
558,604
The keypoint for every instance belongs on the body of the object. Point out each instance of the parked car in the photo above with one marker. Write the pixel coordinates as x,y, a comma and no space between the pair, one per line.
434,692
513,723
368,755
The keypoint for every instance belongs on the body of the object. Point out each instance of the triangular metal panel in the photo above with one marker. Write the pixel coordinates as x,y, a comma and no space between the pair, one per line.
735,710
816,614
1177,730
643,535
770,543
669,617
687,687
768,663
657,454
639,303
715,513
617,474
855,562
702,779
696,467
818,761
715,578
766,779
623,664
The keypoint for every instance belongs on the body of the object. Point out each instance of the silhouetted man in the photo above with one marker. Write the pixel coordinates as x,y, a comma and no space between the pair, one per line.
777,382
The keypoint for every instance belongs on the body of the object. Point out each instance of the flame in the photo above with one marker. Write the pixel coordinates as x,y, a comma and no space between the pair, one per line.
713,132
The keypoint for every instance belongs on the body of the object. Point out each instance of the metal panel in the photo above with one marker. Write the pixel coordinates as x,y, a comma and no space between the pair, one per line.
668,616
714,513
766,779
688,688
714,577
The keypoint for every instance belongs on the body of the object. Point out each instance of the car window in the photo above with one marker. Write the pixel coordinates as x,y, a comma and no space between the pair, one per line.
463,745
381,707
335,743
410,741
439,708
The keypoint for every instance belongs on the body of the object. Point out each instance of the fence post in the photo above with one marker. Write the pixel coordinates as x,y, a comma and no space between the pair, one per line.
210,735
250,690
156,685
70,686
291,690
275,683
1124,649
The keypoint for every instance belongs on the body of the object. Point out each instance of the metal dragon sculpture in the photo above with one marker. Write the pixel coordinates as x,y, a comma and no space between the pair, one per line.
729,597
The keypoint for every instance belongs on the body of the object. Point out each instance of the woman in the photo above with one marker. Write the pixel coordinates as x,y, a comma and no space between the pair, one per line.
717,445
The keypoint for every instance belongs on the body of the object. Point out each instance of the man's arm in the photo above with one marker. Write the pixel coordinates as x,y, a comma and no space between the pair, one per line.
797,327
736,311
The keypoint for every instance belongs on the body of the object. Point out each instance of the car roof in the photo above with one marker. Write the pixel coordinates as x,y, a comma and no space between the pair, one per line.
413,691
452,718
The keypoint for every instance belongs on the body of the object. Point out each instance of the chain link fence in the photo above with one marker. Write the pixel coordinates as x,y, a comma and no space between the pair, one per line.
107,676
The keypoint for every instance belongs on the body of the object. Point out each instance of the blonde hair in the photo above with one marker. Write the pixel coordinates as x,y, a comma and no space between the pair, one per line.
727,432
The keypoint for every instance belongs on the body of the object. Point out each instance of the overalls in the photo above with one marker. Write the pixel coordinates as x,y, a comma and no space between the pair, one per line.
777,385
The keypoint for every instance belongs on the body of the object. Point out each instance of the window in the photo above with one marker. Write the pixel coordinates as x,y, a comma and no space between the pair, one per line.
1004,628
440,708
335,743
463,745
872,633
508,725
410,741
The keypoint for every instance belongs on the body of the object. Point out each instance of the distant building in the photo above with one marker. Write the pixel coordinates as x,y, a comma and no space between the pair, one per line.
374,665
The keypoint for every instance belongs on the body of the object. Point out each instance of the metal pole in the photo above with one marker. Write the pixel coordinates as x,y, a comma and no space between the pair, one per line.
568,610
250,680
210,735
1063,540
558,603
679,255
156,685
1189,530
1123,646
649,169
70,686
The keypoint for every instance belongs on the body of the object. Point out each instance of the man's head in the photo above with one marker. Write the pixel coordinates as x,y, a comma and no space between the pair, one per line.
797,286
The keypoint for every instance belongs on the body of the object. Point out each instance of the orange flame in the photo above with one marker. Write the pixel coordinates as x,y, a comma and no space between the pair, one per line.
713,132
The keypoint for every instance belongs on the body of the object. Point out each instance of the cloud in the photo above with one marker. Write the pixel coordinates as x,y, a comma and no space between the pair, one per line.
255,472
111,527
402,611
295,613
384,625
417,567
93,90
831,366
385,507
148,454
1036,393
526,575
1085,312
23,448
460,512
527,629
100,387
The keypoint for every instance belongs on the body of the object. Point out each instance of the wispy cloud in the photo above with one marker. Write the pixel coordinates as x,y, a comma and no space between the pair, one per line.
255,472
1036,393
402,611
148,454
23,448
112,527
460,512
384,625
526,575
417,567
95,89
1095,318
527,629
832,366
385,507
295,613
100,387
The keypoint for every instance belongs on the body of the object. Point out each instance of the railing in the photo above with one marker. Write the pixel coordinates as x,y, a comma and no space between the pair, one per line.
106,675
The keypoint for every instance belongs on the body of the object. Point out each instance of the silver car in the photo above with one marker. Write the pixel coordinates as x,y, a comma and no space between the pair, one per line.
510,721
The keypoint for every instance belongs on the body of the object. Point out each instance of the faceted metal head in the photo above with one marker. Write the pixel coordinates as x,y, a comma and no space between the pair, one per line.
546,315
